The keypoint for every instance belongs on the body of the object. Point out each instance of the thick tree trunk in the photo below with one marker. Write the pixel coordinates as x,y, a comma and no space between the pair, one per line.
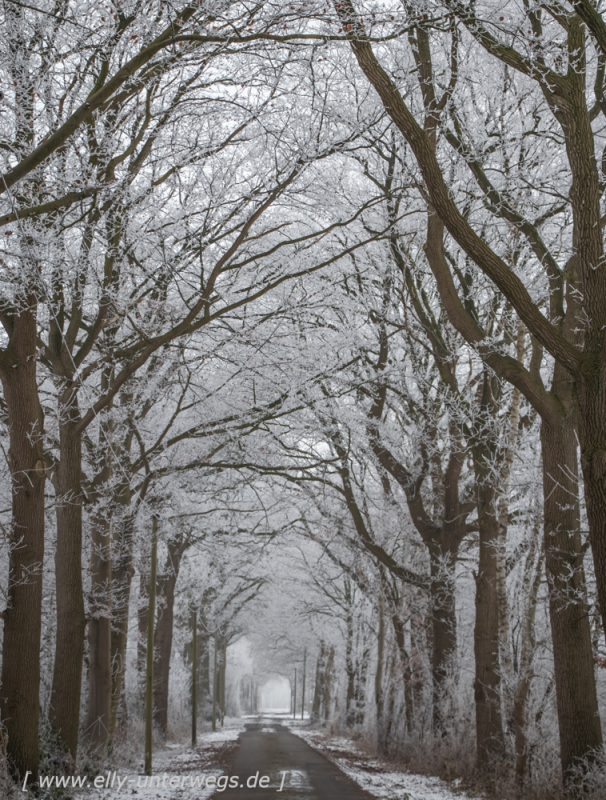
360,693
418,647
98,721
407,678
490,743
592,436
578,717
521,694
67,674
443,625
487,686
19,703
163,637
123,572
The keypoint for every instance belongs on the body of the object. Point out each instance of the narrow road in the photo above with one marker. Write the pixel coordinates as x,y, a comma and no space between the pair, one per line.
271,762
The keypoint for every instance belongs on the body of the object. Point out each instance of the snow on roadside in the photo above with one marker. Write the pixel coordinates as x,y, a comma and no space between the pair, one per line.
180,772
377,777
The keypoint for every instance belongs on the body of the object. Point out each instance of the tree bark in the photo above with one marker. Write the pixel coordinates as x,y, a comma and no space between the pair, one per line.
98,721
350,670
123,571
67,674
380,672
521,693
163,636
442,559
490,743
19,703
194,678
592,437
487,685
149,665
576,697
142,609
316,706
327,684
407,679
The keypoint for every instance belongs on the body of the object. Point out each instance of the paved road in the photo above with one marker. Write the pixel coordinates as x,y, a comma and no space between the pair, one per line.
291,769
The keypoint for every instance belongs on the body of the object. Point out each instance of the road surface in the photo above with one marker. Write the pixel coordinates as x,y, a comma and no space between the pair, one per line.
271,762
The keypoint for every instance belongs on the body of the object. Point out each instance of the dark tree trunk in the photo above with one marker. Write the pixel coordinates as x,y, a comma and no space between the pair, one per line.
487,686
123,572
142,626
350,670
521,693
577,706
163,638
404,657
64,710
327,684
592,436
67,674
223,693
380,672
443,624
19,703
98,719
418,647
361,677
316,705
490,742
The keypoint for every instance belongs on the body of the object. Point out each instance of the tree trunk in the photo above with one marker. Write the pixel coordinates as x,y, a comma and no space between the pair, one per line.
490,743
443,626
592,436
487,686
98,721
163,638
576,698
328,683
519,714
142,608
380,672
360,683
404,658
350,670
222,682
316,706
214,681
123,571
67,674
418,647
19,704
149,656
194,678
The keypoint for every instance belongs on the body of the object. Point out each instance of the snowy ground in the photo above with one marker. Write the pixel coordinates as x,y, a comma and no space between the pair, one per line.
380,778
180,772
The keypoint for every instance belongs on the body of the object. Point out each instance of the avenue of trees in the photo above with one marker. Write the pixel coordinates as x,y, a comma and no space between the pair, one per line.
308,300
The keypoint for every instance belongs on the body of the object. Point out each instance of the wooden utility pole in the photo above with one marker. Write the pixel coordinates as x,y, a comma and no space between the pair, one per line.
194,678
223,683
303,683
214,717
149,671
294,697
